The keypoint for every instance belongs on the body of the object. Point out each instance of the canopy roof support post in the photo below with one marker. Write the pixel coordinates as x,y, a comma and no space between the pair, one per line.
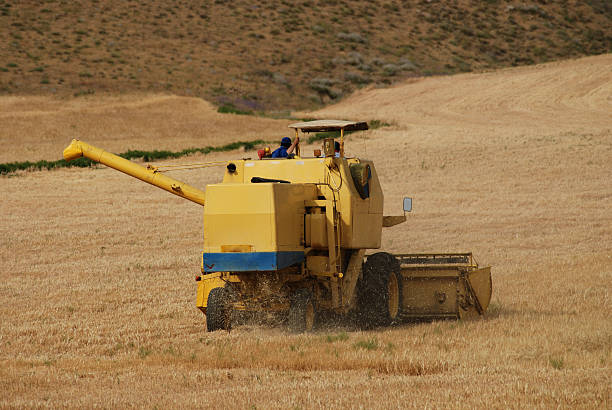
330,126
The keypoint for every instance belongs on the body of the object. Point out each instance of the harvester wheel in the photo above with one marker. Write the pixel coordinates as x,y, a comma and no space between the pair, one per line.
218,310
380,291
302,311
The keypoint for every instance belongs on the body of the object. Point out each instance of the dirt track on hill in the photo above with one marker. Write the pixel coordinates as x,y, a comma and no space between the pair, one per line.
97,273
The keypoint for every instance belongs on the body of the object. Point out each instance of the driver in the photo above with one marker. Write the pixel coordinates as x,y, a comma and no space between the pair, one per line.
286,147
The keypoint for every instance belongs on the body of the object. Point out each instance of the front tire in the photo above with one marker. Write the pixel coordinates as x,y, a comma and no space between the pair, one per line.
218,310
380,291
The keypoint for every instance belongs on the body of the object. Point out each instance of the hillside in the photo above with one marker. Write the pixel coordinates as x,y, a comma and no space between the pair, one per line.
542,98
279,55
36,128
514,165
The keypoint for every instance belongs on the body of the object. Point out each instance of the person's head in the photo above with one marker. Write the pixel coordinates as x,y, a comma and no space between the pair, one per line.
286,142
336,146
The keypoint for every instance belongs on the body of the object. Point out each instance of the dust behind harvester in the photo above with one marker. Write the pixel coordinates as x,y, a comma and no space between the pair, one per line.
290,236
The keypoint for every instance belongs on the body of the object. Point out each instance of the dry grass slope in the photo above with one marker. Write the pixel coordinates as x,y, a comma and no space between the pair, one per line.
38,128
97,269
278,54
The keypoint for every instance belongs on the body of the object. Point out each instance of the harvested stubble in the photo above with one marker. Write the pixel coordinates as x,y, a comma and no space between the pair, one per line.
97,273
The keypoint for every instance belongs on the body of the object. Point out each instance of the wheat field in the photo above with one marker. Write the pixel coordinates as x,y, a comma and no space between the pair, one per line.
97,272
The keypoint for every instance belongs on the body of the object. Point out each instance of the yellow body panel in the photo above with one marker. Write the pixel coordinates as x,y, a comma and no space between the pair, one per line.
316,231
360,219
480,282
262,217
204,287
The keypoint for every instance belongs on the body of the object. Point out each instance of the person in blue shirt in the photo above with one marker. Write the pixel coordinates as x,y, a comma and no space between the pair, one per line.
286,147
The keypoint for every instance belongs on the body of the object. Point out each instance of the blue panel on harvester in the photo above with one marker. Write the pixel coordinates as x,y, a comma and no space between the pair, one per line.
250,261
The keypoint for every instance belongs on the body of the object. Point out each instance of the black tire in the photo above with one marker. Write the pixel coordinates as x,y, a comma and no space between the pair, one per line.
380,291
302,311
218,310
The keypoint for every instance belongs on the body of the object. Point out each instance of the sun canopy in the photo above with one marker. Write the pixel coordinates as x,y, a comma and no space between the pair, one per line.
329,125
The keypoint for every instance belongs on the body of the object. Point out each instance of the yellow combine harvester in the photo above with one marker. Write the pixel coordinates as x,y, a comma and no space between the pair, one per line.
289,235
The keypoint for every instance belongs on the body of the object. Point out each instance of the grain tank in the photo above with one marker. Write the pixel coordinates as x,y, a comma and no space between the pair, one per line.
290,235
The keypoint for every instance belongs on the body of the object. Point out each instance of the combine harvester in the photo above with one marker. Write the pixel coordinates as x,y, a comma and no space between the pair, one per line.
289,236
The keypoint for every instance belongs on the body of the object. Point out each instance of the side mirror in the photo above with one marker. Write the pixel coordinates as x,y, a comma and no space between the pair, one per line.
407,204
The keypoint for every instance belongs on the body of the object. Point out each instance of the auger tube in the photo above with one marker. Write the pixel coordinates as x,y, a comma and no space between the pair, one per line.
78,149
